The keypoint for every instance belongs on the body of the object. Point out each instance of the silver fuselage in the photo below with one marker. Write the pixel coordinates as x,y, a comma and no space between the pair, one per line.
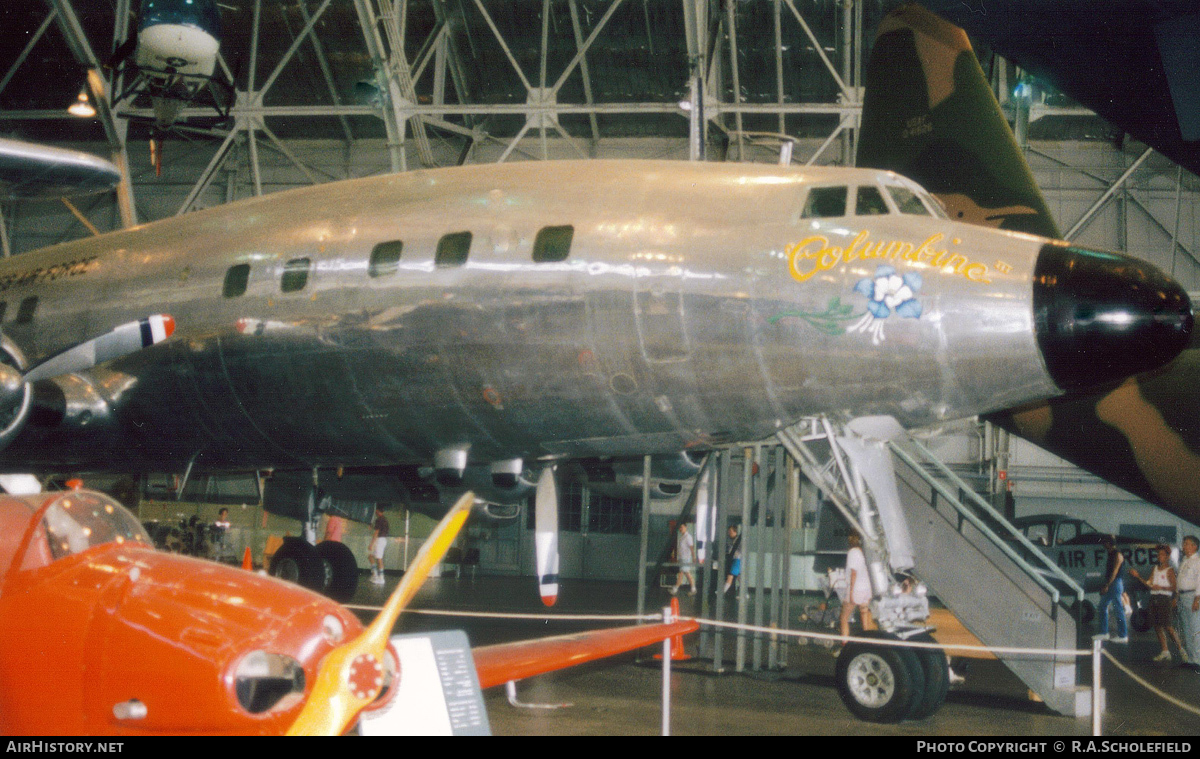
696,307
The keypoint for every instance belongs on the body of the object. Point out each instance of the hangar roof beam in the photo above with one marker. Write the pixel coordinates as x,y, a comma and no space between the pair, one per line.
28,48
77,41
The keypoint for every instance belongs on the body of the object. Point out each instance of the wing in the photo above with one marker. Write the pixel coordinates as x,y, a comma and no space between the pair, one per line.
39,171
1133,62
505,662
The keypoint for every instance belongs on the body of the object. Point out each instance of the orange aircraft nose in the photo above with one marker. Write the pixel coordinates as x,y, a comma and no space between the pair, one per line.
209,648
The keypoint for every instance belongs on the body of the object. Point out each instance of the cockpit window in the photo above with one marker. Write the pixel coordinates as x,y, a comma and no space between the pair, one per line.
870,202
1038,533
1066,531
825,203
907,201
937,206
77,522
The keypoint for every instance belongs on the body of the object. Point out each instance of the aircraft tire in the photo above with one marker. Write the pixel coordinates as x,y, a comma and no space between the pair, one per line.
879,683
297,561
1084,611
936,669
339,569
1087,612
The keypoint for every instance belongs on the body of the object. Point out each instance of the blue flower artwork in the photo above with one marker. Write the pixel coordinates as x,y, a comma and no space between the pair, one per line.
887,293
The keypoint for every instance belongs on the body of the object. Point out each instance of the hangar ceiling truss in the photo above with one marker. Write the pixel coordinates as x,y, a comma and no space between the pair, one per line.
438,80
475,71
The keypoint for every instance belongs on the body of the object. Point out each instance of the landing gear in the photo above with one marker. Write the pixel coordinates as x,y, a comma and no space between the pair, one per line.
936,669
328,568
1087,612
297,561
853,468
881,683
339,570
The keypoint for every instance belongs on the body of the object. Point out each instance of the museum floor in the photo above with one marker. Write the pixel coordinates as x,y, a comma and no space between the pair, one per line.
623,697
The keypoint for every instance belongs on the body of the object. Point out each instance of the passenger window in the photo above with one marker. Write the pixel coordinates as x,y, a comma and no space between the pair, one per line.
907,201
870,202
825,203
295,275
385,258
452,249
553,244
25,312
235,280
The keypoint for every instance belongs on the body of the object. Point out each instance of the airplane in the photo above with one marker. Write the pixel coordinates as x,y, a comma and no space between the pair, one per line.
29,170
1076,547
474,327
172,59
1131,61
126,640
489,321
937,123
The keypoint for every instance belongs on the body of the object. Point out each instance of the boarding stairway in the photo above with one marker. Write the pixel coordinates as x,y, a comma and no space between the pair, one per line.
1004,591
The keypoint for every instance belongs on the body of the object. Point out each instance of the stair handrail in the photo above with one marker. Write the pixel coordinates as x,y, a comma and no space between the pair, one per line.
999,542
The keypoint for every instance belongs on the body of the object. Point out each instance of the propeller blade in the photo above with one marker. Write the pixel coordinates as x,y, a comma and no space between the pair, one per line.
122,340
545,537
351,675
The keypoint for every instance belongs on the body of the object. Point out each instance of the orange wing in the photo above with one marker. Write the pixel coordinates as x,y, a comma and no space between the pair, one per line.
503,662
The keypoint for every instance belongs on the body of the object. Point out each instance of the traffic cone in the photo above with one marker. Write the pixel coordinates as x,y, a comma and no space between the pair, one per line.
247,561
677,652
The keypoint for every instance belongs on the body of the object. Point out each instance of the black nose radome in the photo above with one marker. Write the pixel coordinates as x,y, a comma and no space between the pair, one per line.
1105,316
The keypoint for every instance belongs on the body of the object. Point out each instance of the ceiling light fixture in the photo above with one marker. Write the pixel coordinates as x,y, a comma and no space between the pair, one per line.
82,107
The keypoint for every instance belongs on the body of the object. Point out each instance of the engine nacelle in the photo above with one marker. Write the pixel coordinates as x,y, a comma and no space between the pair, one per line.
16,395
502,486
680,466
670,474
353,493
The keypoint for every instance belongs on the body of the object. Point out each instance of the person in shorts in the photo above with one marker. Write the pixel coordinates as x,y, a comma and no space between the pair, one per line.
858,588
379,536
1162,602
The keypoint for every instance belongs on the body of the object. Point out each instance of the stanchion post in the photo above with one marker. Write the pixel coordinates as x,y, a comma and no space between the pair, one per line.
1096,640
666,676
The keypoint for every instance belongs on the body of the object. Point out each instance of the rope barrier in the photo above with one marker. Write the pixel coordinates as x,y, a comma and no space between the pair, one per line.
732,625
897,643
1161,694
518,615
801,634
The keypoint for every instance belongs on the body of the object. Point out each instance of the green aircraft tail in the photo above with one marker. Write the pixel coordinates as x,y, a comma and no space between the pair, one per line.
929,114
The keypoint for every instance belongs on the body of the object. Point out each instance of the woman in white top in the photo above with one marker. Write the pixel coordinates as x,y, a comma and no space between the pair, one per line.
858,587
1162,602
